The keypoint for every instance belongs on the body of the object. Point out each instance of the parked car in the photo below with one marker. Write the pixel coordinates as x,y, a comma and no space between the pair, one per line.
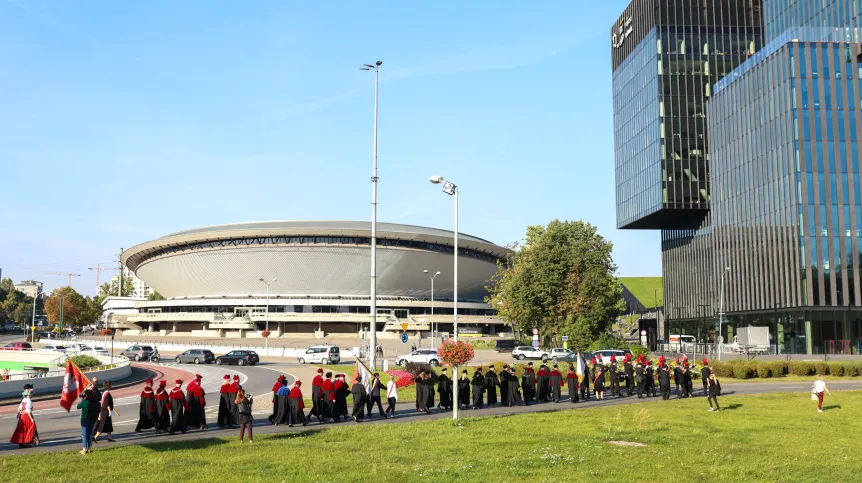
604,356
100,351
427,356
78,348
196,356
528,352
138,352
321,354
558,353
572,358
53,348
17,346
507,345
238,357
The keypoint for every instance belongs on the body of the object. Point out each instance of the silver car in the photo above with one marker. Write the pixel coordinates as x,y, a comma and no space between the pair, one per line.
196,356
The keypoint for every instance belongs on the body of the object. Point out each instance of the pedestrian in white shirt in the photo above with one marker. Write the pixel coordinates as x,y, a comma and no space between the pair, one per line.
818,389
391,397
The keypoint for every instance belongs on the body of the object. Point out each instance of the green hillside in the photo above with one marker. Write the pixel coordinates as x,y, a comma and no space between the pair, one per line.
643,288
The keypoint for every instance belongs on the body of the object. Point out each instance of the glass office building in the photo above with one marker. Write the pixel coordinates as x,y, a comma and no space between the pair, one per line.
666,55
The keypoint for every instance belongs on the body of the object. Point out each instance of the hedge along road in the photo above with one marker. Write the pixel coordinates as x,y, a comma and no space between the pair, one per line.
61,430
67,436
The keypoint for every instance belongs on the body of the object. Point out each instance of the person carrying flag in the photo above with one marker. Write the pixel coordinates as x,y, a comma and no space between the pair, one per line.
25,434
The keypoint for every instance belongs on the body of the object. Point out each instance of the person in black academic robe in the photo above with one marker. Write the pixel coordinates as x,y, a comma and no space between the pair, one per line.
224,417
677,378
359,395
464,390
555,380
341,391
649,373
664,381
542,386
421,397
503,384
232,407
640,380
297,406
327,398
513,388
281,381
615,377
105,423
528,384
163,409
373,396
429,391
444,389
491,383
599,381
282,415
630,376
686,377
585,382
316,388
196,415
178,406
147,408
478,384
572,382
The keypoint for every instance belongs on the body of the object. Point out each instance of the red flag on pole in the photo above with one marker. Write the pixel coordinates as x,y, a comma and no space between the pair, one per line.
74,383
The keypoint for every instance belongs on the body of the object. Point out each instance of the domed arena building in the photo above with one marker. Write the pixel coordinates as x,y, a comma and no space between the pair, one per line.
214,279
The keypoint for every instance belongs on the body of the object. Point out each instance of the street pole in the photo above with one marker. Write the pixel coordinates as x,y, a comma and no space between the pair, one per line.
120,288
33,321
373,342
720,313
266,339
455,319
432,312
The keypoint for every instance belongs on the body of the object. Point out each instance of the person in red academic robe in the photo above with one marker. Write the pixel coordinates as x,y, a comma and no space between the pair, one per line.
196,416
178,406
163,408
327,398
296,406
281,381
555,381
147,408
232,407
223,419
341,390
316,389
25,434
572,382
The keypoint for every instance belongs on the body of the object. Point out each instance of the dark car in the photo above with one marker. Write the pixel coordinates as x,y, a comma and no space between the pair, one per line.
241,358
572,358
138,352
196,356
507,345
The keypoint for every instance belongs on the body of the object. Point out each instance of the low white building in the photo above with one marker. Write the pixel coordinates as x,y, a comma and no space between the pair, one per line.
30,288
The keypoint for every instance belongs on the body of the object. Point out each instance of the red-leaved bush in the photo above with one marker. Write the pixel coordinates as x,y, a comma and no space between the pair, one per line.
404,378
456,353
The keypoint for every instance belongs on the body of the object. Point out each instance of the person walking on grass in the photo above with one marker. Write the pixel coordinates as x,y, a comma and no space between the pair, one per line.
714,390
87,420
244,418
818,388
391,397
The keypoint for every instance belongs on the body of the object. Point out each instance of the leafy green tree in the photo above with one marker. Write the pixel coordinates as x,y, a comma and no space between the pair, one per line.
6,285
155,296
561,281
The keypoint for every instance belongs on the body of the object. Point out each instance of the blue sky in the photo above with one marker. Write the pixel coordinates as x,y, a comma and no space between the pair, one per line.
125,121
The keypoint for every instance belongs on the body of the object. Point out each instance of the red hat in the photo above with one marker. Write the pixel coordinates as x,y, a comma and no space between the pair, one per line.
594,361
298,383
661,360
163,383
676,360
320,371
148,382
281,377
236,378
613,358
198,377
226,377
684,357
705,362
178,381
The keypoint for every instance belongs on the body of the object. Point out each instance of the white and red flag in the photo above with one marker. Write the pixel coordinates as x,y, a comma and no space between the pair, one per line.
74,383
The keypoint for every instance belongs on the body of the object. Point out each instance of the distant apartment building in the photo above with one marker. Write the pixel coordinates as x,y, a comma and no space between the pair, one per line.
140,289
30,288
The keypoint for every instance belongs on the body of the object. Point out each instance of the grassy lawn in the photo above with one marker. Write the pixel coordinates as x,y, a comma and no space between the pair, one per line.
643,288
776,437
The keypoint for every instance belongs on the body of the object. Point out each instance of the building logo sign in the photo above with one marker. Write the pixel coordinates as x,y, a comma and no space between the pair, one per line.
618,38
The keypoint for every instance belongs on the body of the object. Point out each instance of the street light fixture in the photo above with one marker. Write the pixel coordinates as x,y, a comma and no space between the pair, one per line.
720,313
451,189
266,339
432,303
373,295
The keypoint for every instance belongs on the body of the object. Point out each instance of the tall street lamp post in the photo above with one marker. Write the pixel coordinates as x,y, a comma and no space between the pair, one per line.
451,189
373,342
720,313
432,303
266,339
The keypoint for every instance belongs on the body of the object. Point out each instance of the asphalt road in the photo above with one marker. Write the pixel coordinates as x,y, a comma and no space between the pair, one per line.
61,431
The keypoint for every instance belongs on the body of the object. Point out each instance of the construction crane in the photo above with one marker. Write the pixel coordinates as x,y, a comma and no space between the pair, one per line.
70,275
99,271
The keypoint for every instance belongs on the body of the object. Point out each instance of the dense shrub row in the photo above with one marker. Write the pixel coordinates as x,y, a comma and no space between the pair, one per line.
740,369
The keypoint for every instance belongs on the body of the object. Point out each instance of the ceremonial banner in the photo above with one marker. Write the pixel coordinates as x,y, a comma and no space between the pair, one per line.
581,369
74,383
362,370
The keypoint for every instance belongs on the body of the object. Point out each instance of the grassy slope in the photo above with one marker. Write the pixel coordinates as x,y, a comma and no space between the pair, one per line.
776,437
643,289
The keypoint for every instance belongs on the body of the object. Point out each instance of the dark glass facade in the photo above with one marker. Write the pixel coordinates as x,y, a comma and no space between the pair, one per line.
780,16
666,56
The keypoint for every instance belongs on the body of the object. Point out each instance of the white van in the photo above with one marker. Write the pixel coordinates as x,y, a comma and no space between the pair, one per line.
320,354
682,343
